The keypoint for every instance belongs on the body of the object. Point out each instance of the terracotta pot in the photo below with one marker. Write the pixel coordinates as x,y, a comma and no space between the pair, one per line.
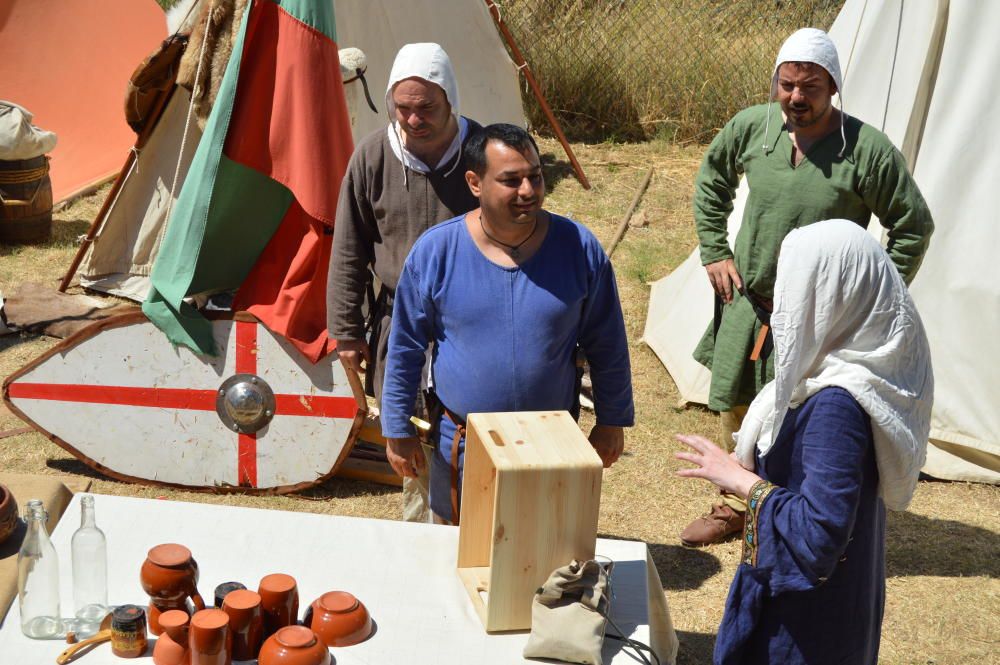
170,576
172,645
294,645
245,623
279,602
209,638
339,619
8,513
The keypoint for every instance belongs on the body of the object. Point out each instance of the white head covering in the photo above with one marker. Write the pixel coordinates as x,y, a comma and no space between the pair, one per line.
429,62
815,46
843,317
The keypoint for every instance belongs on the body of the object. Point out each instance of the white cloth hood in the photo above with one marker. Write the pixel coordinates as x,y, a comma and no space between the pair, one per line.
809,45
843,317
815,46
426,61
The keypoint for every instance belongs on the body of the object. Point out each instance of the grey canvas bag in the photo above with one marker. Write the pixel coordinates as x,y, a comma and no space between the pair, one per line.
568,614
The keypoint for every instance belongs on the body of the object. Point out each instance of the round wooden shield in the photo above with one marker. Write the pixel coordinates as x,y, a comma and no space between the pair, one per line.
120,397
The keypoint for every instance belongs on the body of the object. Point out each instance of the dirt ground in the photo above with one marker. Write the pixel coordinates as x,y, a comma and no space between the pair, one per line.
943,602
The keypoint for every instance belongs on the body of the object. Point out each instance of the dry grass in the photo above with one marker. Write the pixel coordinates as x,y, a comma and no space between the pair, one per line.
944,597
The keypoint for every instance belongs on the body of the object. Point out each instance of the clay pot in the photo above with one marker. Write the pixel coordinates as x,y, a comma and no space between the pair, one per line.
170,576
339,619
245,623
279,602
294,645
209,638
172,646
8,513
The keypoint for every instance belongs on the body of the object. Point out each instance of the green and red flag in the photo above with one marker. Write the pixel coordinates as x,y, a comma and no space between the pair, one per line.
257,207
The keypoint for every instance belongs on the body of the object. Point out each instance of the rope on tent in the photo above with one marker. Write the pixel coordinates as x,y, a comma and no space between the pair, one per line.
184,136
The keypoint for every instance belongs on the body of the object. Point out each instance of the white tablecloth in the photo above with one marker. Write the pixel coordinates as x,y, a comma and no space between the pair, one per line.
403,572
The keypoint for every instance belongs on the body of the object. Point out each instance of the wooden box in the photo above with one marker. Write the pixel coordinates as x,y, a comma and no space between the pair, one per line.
530,500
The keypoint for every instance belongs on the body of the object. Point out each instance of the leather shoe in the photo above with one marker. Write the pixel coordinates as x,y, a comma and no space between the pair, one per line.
713,527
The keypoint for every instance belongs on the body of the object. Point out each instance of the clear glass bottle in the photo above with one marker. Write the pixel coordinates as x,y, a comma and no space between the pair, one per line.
38,578
90,567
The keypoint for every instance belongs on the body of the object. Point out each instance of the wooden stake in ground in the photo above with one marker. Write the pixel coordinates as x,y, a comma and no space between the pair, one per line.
522,65
623,225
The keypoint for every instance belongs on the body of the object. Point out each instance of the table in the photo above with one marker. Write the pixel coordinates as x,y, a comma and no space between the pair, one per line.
403,572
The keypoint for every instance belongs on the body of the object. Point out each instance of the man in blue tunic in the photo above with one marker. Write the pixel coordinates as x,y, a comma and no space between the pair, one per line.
504,294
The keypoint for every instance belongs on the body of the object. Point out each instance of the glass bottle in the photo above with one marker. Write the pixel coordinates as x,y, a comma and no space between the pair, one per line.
90,567
38,578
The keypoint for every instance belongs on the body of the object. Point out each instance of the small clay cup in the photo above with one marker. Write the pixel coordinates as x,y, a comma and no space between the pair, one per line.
172,645
8,513
170,576
209,638
245,623
294,645
339,619
279,602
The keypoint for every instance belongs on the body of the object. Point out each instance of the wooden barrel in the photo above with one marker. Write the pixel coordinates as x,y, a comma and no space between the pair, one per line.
25,201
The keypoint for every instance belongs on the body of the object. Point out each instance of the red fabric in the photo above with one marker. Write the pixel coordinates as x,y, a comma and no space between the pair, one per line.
290,117
290,122
286,289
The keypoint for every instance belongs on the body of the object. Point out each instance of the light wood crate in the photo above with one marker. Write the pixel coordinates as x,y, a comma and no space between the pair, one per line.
530,501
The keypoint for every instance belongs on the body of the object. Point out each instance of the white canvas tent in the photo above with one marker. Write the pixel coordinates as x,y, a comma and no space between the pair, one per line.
121,257
926,73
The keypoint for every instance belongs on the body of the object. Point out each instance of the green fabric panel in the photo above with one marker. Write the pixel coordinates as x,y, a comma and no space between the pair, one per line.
318,14
869,178
247,208
174,274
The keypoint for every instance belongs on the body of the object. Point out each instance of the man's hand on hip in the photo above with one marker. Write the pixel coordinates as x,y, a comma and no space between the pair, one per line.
609,442
723,276
352,352
406,457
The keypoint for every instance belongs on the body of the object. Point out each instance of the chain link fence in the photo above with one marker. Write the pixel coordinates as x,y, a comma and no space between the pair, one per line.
639,69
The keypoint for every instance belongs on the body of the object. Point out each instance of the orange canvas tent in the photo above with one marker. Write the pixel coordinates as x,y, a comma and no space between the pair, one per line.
68,61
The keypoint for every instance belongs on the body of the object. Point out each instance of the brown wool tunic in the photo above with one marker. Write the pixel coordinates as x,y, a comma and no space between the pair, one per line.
381,212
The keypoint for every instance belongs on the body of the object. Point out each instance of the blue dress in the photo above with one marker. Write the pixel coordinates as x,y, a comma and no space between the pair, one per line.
504,338
811,584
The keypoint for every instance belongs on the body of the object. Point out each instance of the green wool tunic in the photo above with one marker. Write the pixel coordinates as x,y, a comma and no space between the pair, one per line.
870,178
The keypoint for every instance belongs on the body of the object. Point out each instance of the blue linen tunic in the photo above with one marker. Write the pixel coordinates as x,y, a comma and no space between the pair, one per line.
504,337
817,592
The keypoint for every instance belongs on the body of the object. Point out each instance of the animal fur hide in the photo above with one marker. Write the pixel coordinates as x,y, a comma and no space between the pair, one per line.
220,20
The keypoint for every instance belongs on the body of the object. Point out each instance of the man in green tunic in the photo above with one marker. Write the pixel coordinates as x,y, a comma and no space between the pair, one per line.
804,163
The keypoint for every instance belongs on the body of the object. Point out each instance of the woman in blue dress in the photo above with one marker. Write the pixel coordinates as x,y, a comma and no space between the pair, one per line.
838,436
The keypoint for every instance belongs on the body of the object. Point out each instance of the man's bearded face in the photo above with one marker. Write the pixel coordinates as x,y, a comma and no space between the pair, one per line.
422,111
805,92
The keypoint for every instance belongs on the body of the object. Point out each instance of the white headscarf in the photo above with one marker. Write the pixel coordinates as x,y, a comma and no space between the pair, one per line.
429,62
843,317
815,46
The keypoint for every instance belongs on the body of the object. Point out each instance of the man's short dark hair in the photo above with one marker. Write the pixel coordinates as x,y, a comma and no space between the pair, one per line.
510,135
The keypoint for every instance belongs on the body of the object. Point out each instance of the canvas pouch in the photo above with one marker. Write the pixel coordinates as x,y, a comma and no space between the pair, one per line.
568,614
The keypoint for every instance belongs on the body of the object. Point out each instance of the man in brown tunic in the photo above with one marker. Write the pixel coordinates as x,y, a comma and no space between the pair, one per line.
401,180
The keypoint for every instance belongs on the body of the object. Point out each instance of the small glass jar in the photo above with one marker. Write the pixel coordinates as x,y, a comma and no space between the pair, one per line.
128,631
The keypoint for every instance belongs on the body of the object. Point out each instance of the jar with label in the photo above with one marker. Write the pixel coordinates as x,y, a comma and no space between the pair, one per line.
128,631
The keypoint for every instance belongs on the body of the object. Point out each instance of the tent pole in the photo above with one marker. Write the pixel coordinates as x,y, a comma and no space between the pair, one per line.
522,65
154,118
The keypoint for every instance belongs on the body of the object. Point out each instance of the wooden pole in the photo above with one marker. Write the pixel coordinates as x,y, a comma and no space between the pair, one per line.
623,225
154,118
522,65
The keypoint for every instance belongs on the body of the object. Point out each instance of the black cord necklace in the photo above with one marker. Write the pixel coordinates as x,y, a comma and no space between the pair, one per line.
513,250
